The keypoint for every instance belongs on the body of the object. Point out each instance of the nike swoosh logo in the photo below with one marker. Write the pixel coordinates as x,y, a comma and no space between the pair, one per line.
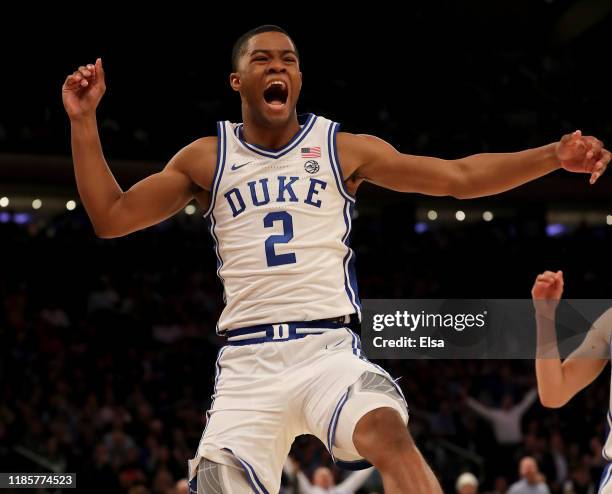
236,167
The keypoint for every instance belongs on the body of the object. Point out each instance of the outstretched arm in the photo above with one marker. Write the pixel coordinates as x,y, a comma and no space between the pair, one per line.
112,211
374,160
526,402
354,481
480,409
558,382
292,470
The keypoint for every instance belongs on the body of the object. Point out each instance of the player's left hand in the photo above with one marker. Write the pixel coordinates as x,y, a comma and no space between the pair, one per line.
583,154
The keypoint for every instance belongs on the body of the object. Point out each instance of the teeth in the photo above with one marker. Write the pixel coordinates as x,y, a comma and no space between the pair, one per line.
276,83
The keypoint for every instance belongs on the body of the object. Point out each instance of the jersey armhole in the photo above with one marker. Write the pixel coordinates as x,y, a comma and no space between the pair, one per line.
220,164
335,162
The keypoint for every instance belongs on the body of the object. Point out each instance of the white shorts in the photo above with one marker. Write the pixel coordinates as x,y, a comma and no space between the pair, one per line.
267,394
605,484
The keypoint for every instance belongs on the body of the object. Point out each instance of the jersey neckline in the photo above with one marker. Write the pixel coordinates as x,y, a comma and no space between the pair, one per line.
307,122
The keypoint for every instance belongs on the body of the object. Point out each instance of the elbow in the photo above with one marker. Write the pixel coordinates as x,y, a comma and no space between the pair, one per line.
459,194
104,230
104,233
460,191
458,185
551,401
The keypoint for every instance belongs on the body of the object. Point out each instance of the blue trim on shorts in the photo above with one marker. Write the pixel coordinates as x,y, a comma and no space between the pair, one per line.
354,465
255,483
333,423
605,477
384,372
324,325
214,395
608,430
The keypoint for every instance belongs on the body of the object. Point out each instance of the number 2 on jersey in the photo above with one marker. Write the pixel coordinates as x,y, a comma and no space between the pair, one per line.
272,257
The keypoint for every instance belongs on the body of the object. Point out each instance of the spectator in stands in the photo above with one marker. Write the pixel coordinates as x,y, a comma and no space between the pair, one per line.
323,480
532,481
467,483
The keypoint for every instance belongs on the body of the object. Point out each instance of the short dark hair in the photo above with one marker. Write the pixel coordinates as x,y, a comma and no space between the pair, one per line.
240,44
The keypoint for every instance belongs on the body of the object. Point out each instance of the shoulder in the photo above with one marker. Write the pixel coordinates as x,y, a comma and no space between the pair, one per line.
202,151
204,147
362,143
359,150
197,160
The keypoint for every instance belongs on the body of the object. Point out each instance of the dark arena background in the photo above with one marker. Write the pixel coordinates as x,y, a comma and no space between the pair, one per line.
107,347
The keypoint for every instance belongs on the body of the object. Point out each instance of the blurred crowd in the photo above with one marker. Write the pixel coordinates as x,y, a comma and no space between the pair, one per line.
107,351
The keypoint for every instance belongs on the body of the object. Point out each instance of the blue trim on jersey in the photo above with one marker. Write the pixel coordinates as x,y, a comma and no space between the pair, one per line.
256,485
352,274
350,278
308,124
332,139
221,152
209,215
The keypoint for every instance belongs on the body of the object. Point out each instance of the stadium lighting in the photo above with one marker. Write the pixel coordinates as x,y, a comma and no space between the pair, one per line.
36,203
70,205
190,209
4,202
460,215
432,215
487,216
609,219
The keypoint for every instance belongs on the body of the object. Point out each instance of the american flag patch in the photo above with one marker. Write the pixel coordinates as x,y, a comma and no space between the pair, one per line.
311,152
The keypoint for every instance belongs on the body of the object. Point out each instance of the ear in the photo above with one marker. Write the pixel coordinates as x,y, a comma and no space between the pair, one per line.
235,81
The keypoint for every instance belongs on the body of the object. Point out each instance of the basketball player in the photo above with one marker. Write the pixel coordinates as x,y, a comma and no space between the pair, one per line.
278,192
559,381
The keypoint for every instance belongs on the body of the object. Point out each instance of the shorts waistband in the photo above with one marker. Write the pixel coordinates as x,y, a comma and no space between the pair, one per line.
285,331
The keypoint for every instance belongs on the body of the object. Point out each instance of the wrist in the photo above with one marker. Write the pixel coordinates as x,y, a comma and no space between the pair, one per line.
551,155
545,314
83,118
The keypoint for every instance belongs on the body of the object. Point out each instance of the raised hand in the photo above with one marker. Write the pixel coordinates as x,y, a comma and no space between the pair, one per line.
547,291
583,154
83,90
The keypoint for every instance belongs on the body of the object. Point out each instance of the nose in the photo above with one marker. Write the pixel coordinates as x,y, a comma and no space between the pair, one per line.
276,66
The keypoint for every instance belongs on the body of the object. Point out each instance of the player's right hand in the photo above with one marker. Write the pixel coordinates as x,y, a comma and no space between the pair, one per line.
83,90
547,291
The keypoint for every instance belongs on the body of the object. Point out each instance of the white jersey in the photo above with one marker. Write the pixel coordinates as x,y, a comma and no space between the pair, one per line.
281,221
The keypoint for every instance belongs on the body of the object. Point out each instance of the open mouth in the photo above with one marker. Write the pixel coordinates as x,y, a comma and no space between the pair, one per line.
276,93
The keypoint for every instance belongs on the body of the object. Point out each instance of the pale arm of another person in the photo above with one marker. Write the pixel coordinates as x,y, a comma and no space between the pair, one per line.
354,481
559,381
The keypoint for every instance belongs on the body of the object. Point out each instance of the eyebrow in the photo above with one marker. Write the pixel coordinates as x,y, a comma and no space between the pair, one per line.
269,52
